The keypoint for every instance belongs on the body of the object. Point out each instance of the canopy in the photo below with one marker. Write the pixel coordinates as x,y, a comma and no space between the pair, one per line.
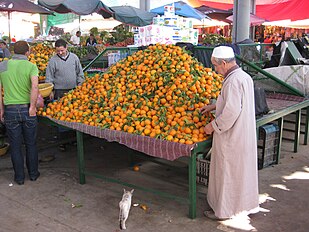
301,24
182,9
22,6
271,10
79,7
133,16
215,13
254,20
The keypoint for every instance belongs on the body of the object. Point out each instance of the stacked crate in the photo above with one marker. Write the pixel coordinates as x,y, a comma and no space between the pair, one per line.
202,168
268,145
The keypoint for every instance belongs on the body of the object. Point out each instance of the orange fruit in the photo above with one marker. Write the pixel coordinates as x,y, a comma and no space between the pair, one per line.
136,168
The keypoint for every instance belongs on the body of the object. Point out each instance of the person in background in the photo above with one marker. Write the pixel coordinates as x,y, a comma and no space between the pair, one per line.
4,51
75,39
19,79
65,71
233,177
91,41
269,49
268,39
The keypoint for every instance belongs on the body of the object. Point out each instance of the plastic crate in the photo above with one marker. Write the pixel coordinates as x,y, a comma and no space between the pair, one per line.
202,170
268,145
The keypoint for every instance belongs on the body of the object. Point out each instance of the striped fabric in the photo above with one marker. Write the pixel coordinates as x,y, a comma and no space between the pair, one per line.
279,101
285,97
150,146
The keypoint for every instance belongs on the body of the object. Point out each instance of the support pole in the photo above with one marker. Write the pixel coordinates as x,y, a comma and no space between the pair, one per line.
252,11
192,185
80,157
297,130
241,20
9,24
144,5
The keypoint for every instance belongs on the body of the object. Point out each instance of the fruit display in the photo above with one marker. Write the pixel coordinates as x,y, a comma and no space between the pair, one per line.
40,55
124,43
213,39
156,92
100,48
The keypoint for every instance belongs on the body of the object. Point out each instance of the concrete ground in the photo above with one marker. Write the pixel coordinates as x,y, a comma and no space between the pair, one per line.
57,202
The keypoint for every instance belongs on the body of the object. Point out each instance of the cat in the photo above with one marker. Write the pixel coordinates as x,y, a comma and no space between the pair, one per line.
125,205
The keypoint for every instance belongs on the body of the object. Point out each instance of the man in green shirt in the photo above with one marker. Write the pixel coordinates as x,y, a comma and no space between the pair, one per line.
19,79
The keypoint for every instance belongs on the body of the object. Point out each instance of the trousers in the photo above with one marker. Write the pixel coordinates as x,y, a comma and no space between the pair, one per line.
21,127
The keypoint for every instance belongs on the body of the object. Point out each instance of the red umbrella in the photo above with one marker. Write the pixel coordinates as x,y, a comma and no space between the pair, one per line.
254,20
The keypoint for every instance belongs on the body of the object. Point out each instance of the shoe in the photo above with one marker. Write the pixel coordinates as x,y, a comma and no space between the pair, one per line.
35,178
19,182
211,215
47,158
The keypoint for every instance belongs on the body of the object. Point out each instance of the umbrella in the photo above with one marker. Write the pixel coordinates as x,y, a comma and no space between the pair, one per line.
133,16
182,9
79,7
215,13
20,6
254,20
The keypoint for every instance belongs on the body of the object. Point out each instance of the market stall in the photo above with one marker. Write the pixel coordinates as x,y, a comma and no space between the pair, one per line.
162,147
171,150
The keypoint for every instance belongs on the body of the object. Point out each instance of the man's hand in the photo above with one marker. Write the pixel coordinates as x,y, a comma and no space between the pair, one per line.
32,111
2,115
208,129
207,108
51,96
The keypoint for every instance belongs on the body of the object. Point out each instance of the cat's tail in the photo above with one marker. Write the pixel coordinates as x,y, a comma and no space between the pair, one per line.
121,218
120,224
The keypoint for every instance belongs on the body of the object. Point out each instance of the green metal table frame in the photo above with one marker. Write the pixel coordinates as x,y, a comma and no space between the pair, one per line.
198,150
201,147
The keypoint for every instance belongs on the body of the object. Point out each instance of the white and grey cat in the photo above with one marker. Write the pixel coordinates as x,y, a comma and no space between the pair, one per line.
125,205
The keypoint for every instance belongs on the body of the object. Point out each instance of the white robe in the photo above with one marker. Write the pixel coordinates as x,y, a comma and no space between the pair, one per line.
233,177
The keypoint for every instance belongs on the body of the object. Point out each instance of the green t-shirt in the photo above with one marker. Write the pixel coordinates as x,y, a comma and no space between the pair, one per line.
16,81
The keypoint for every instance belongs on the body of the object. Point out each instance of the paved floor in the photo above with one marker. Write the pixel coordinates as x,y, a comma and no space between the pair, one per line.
57,202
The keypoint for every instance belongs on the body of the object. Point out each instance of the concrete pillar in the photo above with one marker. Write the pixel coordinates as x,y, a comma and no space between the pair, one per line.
241,20
144,5
253,11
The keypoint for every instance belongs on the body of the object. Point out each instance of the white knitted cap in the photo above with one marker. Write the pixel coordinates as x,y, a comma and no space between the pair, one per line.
223,52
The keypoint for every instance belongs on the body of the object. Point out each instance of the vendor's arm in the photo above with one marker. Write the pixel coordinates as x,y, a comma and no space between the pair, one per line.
232,96
79,73
72,40
208,129
50,73
207,108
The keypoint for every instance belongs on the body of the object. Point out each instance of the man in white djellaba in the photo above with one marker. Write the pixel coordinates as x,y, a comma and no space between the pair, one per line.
233,177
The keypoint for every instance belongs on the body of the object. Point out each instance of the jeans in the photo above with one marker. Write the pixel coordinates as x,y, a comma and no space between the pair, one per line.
20,126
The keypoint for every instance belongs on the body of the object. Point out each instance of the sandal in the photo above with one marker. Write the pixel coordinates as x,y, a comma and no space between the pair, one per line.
211,215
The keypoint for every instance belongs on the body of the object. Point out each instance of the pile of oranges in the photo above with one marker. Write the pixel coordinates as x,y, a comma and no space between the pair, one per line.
155,92
40,55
